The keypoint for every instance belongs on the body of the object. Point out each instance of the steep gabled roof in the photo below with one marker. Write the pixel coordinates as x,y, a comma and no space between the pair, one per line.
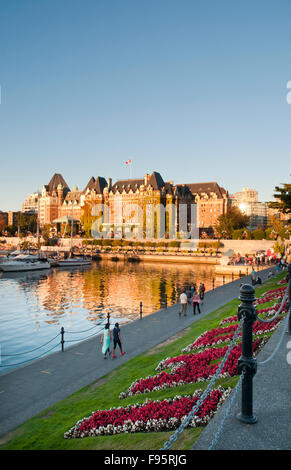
127,184
212,187
55,181
156,181
97,184
100,184
90,184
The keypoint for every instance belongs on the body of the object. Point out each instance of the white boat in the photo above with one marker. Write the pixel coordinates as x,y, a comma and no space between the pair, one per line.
24,263
10,256
74,262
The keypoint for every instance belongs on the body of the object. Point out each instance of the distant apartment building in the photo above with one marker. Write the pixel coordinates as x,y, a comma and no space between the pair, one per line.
12,217
247,195
258,212
31,203
212,201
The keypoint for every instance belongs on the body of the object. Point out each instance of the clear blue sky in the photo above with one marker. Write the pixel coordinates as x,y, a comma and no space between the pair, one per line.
193,89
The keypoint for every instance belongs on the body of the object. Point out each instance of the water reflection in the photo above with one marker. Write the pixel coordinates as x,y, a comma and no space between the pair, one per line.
34,305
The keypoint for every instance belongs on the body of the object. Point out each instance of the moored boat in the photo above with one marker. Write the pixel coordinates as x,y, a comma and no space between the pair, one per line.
24,263
74,262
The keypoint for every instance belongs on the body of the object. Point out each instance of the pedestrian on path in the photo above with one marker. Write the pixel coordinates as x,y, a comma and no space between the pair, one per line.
189,295
117,340
195,303
193,289
183,302
201,292
105,341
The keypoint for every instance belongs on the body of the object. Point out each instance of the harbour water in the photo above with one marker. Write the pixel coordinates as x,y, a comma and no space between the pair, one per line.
36,305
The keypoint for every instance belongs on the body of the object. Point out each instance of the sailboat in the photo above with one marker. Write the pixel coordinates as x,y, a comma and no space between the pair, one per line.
72,261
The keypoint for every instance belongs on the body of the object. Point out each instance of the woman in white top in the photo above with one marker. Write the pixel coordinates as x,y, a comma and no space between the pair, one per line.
105,341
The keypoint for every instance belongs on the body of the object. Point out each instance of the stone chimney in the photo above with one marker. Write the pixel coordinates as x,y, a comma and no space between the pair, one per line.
109,183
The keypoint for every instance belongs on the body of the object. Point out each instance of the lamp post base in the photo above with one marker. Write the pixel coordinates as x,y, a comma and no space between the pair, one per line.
247,419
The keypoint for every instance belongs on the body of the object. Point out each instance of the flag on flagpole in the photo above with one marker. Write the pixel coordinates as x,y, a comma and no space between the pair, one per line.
128,162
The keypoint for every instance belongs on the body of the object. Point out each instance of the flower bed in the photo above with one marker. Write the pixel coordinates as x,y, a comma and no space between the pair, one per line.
219,335
271,295
188,368
196,366
150,416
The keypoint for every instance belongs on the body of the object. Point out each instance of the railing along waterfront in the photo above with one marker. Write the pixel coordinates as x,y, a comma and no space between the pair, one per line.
62,341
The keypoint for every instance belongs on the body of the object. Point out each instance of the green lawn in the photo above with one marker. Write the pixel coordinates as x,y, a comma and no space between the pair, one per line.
46,430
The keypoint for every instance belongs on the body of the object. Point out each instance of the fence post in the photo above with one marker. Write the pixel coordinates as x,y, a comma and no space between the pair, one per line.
62,338
223,279
213,284
140,310
232,276
247,364
166,301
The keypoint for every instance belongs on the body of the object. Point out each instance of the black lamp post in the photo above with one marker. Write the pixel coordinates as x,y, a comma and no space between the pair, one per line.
247,364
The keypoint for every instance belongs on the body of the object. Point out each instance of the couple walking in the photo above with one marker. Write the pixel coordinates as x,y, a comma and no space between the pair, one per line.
106,339
197,299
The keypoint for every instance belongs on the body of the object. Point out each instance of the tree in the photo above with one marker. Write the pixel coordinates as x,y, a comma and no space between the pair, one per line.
283,199
234,219
259,234
2,223
87,219
26,222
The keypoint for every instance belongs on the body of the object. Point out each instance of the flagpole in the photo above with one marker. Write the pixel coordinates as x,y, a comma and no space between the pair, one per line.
128,162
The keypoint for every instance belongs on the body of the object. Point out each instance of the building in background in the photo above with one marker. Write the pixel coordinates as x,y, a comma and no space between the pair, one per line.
138,208
248,202
12,217
52,198
212,201
72,204
31,203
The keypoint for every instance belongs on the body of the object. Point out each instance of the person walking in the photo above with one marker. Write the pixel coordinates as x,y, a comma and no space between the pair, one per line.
201,292
117,340
105,341
195,303
193,289
183,302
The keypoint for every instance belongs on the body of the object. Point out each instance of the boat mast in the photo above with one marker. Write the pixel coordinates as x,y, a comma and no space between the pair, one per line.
72,229
37,220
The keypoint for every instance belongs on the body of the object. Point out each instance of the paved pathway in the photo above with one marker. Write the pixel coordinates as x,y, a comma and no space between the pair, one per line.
28,390
271,406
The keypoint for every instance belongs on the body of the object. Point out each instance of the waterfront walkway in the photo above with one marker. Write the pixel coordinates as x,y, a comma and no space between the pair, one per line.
271,406
27,391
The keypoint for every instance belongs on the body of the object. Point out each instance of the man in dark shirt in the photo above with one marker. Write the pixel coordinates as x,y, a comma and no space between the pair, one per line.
116,340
